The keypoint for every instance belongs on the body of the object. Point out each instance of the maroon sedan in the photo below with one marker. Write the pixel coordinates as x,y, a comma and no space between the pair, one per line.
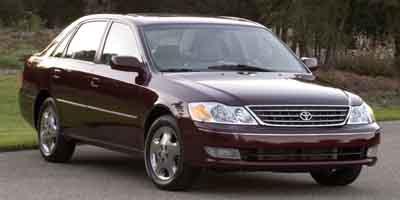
191,93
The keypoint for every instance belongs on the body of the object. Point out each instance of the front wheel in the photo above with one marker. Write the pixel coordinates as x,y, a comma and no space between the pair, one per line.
336,177
54,147
164,156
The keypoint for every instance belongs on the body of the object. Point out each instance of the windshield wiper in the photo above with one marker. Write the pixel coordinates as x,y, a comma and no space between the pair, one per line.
239,67
177,70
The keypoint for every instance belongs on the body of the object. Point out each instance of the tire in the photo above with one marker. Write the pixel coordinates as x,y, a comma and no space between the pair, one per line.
53,145
164,162
336,177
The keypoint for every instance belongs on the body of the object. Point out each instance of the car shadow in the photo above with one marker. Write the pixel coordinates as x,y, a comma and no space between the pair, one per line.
223,185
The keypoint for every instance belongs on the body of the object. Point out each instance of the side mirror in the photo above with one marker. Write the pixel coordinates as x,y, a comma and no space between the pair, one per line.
311,63
130,64
127,64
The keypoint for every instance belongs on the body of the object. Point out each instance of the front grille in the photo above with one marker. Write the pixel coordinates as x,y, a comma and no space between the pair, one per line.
298,155
301,116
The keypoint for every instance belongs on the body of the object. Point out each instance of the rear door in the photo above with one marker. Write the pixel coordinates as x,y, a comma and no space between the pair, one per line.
71,76
115,98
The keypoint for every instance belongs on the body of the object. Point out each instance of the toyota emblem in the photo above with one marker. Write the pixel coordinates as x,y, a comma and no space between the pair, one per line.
305,116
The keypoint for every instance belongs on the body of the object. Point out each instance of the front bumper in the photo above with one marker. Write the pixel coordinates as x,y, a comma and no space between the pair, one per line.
197,136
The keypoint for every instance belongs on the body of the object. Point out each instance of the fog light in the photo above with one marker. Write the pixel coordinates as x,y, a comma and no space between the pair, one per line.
223,153
372,152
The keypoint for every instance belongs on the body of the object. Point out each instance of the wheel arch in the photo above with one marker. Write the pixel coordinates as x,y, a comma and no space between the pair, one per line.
157,111
40,98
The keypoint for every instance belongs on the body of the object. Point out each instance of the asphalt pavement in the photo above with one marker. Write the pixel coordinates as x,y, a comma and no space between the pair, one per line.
99,174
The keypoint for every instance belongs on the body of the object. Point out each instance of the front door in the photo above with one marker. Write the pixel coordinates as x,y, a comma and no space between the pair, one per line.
117,106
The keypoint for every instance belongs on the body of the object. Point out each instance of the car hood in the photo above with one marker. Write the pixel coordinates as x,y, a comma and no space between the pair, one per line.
235,88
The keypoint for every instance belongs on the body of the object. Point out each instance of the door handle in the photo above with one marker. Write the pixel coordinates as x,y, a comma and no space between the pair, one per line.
94,82
57,73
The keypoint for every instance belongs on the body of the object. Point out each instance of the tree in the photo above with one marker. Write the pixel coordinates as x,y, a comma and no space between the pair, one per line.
377,19
321,28
318,24
11,11
61,12
392,8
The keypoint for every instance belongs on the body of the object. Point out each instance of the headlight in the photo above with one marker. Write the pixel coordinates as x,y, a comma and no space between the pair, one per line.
361,115
219,113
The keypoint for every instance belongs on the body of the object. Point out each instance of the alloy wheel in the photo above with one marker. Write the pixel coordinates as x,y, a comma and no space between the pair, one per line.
48,131
164,153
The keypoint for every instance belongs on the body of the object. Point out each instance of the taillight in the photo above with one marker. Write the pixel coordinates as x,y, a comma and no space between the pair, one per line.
20,75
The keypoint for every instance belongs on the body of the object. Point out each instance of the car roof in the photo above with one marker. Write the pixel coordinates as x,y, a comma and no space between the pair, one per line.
143,19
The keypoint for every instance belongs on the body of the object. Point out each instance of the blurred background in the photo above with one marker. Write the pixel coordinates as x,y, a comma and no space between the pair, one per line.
356,41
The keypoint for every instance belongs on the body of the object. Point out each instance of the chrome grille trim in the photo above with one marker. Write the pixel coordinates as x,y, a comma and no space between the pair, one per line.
289,115
299,115
259,110
310,121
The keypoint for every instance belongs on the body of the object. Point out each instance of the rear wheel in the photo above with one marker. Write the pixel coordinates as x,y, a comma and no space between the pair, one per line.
337,177
164,156
54,147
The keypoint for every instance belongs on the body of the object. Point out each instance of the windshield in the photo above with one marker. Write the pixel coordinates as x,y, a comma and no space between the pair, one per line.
185,48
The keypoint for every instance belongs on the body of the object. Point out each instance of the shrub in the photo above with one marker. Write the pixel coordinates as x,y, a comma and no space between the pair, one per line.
15,45
13,59
367,65
8,62
380,91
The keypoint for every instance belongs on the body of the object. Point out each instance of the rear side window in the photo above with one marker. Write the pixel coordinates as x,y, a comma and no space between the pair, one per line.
120,42
86,41
60,49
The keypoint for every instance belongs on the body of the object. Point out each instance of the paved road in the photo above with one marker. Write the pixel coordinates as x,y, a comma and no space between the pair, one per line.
98,174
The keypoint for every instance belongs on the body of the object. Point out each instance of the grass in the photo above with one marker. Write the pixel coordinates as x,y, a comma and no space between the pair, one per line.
387,113
15,133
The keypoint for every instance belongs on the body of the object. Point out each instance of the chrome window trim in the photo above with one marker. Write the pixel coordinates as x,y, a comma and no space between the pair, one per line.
98,109
296,105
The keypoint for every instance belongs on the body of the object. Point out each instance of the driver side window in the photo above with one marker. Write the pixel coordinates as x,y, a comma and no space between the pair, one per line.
120,42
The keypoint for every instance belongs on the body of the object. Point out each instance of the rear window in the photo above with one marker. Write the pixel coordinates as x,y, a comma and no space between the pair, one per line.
61,47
